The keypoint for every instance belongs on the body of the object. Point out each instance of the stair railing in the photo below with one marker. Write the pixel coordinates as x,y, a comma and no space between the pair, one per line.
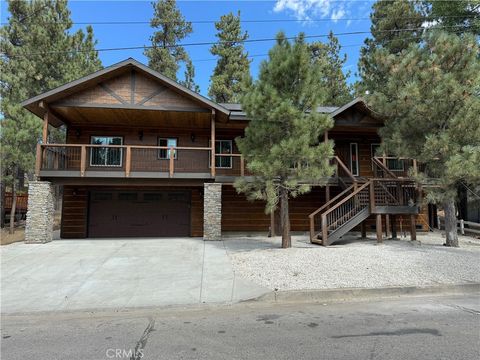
344,210
341,165
380,170
315,217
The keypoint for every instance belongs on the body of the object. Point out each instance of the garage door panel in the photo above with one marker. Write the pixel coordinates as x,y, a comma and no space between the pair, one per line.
139,214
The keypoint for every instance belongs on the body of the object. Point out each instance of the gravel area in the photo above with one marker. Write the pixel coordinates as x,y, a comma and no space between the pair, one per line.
354,263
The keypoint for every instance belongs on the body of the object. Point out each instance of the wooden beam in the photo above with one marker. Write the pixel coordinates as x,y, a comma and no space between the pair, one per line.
129,106
212,143
379,229
242,166
128,161
132,87
171,161
152,95
38,160
83,160
387,226
327,193
363,227
413,228
46,117
113,93
394,227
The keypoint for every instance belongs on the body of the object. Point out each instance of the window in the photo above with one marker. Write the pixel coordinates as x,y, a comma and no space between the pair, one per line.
164,153
392,164
223,147
105,156
354,158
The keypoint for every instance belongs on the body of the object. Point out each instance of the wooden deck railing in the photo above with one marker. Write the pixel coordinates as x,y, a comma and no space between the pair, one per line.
134,159
376,195
393,167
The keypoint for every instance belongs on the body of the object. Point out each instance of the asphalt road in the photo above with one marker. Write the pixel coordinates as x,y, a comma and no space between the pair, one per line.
407,328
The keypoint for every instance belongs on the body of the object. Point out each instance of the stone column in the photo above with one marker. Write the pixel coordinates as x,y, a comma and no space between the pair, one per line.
212,211
39,225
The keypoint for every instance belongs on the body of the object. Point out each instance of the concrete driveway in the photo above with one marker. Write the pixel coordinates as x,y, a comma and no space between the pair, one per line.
117,273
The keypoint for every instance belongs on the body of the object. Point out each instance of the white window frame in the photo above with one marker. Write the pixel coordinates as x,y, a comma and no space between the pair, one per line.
92,148
356,160
175,155
231,157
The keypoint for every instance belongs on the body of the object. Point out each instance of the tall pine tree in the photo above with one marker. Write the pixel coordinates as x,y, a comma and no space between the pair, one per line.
389,21
454,16
165,55
233,64
38,54
281,144
431,102
327,55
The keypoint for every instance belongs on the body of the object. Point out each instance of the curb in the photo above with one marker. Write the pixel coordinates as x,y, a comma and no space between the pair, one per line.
349,294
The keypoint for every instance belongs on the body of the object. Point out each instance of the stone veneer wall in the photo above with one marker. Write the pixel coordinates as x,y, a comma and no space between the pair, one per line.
39,225
212,211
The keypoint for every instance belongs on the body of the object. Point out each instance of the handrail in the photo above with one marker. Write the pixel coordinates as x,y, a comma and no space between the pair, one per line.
345,168
377,162
331,201
347,198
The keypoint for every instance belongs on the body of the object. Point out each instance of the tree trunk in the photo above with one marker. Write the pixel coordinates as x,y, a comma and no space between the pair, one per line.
285,219
14,206
450,223
2,204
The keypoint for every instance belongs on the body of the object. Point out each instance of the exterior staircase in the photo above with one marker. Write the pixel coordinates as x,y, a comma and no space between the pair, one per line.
388,194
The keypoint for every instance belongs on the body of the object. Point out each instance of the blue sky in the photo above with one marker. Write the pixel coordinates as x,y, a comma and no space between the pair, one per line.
335,15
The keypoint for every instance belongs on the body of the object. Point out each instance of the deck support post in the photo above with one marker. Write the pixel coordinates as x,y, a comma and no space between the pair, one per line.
363,227
413,228
387,226
379,229
394,228
46,117
212,144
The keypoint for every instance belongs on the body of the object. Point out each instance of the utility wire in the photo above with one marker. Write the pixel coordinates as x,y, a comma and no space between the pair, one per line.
129,22
234,42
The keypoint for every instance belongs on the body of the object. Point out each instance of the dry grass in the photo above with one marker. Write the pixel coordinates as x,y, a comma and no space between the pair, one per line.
7,238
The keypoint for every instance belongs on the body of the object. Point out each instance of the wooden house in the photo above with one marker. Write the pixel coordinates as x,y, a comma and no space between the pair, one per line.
146,157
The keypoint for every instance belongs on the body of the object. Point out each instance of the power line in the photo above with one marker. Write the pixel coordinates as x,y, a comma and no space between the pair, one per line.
129,22
230,42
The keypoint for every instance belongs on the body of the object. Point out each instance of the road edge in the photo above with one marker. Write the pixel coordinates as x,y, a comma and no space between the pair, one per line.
349,294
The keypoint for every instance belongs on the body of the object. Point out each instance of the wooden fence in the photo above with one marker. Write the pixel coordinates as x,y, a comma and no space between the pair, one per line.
464,227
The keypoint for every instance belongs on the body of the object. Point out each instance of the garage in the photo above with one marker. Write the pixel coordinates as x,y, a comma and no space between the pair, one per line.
126,213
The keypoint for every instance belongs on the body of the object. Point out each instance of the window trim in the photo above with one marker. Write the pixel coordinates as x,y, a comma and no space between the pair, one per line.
167,157
357,173
230,157
106,165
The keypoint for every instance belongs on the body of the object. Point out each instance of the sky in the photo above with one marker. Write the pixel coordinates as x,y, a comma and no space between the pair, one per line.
313,17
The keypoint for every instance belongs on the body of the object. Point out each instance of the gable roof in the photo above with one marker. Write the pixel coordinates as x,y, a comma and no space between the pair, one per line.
108,72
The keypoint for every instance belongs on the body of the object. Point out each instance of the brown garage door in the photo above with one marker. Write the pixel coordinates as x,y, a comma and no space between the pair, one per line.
139,213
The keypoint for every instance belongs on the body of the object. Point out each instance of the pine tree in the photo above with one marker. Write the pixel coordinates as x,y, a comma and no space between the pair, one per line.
431,103
281,144
165,54
327,55
389,21
38,54
233,64
456,15
189,81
